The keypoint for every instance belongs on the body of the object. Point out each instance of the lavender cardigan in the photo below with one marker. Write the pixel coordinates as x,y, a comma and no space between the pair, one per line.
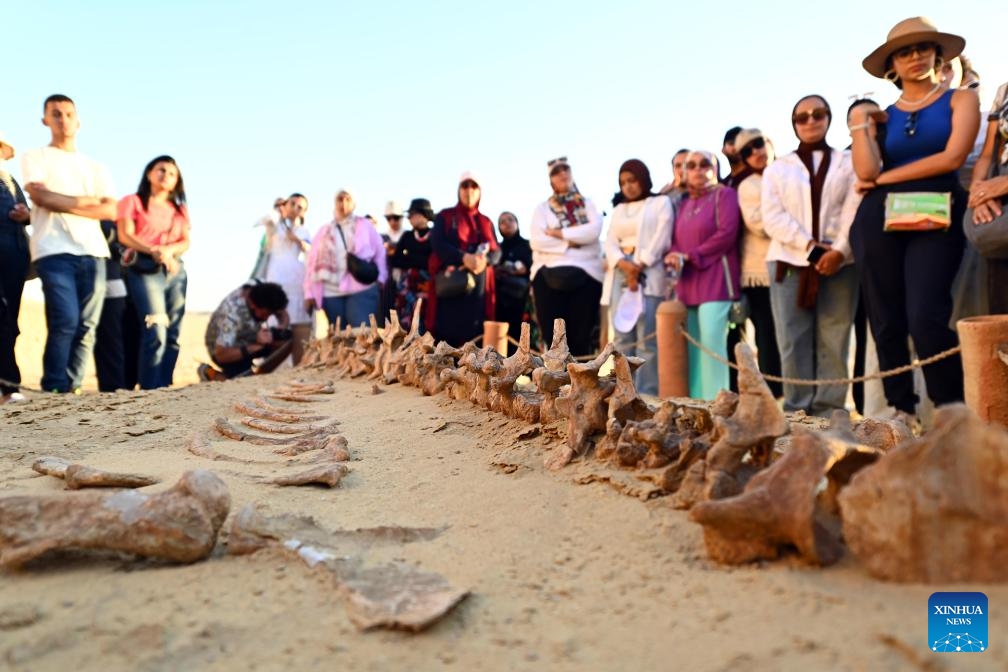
367,245
712,272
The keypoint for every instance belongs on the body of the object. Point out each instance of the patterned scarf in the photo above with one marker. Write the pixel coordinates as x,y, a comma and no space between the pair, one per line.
569,208
330,260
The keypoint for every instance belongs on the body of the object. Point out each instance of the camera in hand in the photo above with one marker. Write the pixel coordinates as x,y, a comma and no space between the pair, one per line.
281,334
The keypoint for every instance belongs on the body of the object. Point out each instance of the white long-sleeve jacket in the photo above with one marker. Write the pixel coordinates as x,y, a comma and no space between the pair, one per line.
786,205
579,247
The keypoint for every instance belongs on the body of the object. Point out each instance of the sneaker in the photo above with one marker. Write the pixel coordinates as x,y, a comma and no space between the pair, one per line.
909,419
208,373
14,398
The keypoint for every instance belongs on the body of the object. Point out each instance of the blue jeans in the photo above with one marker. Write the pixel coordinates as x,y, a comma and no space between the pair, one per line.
74,290
353,309
160,304
814,343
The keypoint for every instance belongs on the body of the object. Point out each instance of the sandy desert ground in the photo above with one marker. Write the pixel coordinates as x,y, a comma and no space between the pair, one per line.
562,576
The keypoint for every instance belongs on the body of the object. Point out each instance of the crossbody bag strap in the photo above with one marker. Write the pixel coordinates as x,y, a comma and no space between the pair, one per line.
339,230
724,259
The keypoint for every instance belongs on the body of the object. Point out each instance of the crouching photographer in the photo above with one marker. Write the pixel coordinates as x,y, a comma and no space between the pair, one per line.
237,333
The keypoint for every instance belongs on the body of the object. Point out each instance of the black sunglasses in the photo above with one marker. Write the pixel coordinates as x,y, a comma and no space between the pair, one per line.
817,114
752,146
702,165
910,128
469,184
922,48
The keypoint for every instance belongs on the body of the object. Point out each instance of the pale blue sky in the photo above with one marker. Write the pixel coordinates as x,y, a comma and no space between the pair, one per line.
395,99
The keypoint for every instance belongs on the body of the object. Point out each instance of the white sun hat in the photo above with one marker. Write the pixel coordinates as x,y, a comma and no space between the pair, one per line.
628,310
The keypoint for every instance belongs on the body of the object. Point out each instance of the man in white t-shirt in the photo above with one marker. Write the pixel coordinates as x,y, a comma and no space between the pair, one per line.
71,193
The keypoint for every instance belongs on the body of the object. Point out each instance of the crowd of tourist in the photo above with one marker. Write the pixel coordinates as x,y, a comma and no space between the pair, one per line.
790,249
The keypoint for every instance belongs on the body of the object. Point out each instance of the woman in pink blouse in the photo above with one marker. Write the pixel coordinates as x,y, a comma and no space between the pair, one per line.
154,224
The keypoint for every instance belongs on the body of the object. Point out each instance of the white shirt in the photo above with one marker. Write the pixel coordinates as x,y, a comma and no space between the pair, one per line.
580,245
73,174
653,219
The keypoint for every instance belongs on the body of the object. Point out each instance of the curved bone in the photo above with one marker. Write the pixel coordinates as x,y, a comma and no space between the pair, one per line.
260,408
79,476
324,474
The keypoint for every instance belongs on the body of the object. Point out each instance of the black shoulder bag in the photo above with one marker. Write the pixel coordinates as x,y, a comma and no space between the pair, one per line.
362,270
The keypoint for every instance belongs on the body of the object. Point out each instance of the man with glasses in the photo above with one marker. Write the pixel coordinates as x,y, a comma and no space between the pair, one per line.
735,162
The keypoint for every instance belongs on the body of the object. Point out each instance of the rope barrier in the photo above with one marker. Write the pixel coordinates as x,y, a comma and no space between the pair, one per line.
916,364
20,386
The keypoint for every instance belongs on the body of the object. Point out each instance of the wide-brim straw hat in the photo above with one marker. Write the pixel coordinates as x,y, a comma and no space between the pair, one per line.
910,31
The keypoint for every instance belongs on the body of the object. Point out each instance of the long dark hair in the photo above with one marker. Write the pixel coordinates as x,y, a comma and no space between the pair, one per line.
177,196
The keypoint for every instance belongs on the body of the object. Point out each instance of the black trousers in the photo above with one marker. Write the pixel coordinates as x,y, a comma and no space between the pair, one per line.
578,308
906,281
997,285
109,351
117,345
761,315
14,255
236,368
860,352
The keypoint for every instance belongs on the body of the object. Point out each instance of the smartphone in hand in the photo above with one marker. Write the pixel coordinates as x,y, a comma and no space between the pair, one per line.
815,254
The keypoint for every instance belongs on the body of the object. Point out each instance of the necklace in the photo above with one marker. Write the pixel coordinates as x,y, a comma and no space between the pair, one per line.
698,203
921,100
631,213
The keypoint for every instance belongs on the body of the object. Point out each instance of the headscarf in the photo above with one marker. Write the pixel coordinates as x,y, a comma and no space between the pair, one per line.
808,277
817,178
640,171
569,207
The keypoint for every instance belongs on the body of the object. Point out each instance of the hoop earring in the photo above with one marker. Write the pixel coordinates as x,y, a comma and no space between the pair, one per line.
890,75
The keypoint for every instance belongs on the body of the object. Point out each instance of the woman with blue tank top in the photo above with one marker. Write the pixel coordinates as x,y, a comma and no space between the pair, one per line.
915,145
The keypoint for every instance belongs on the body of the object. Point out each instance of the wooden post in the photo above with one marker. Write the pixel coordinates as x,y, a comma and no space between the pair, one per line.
985,374
673,355
496,334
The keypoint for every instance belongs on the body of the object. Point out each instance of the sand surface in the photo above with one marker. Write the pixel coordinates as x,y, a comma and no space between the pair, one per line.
563,576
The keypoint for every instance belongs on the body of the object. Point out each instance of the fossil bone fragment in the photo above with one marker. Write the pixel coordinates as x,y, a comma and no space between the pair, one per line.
792,503
329,474
179,525
77,476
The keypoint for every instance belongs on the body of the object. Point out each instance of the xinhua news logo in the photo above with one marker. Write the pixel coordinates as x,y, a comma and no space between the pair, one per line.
957,623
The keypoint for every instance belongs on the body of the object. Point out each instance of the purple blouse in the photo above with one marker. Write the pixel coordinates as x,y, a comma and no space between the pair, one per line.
707,229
